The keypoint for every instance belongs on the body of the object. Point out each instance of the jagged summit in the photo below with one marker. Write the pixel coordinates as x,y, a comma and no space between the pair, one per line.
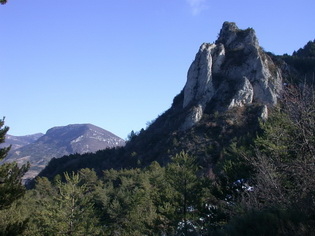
232,72
233,37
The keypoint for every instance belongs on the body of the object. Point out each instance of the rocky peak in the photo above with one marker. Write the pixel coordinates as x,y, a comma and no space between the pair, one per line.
233,38
232,72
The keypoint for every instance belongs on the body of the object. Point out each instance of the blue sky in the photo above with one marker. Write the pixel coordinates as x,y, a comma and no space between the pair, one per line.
118,64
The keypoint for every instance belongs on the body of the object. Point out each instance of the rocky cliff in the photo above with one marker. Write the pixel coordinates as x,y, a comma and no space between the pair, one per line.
232,72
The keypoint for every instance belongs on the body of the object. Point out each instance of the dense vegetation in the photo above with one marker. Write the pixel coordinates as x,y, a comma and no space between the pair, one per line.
262,187
11,188
303,61
232,174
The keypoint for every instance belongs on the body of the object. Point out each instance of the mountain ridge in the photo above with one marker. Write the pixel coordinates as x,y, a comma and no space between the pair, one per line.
60,141
19,141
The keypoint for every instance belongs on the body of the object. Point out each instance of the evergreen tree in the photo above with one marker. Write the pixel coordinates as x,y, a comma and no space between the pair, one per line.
62,208
76,216
11,187
130,209
3,132
181,174
163,197
10,175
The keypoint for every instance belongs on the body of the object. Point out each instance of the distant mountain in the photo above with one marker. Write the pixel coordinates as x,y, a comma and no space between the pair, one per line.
57,142
19,141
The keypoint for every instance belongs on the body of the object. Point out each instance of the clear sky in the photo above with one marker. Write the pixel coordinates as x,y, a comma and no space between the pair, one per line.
118,64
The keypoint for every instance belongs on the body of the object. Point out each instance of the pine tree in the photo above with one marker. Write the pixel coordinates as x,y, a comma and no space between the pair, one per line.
10,175
130,209
181,174
62,208
3,131
11,188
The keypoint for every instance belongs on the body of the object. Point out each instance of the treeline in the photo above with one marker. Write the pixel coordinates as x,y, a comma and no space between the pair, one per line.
303,61
152,201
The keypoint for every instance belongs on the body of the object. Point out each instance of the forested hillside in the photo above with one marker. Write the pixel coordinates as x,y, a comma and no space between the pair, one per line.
303,62
261,187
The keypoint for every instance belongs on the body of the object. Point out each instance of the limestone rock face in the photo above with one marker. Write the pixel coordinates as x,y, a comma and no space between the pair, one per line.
232,72
244,94
199,86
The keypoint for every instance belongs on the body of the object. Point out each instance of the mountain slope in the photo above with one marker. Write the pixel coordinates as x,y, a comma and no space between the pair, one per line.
64,140
19,141
231,85
303,64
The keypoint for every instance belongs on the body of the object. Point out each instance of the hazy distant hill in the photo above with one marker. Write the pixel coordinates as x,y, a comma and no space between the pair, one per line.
60,141
19,141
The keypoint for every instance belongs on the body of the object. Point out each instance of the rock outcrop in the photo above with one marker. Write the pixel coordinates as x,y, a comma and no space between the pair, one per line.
232,72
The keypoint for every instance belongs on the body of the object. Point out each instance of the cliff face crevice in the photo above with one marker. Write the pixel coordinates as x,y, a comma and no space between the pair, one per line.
232,72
